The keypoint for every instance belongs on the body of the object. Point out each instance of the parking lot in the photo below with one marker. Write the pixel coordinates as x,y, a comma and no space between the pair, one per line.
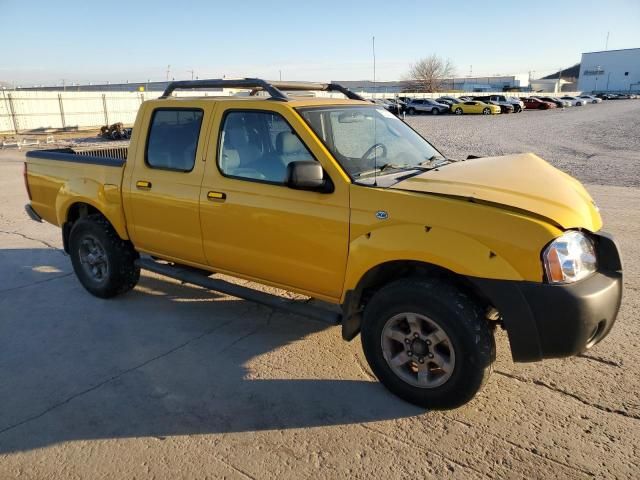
172,381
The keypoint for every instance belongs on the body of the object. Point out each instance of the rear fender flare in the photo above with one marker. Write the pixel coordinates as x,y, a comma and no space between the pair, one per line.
105,198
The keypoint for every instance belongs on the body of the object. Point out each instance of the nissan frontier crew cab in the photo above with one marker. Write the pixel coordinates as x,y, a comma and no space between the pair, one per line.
339,200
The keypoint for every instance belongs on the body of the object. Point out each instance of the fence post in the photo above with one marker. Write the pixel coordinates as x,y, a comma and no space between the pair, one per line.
104,105
64,125
13,113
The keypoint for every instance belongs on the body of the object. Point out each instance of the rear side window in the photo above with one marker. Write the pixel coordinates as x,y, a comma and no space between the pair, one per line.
173,138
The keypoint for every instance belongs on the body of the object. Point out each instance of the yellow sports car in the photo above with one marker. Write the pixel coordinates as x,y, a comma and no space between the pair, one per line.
474,106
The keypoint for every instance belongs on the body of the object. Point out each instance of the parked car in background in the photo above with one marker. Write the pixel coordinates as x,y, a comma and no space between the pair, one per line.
534,103
558,103
448,100
606,96
505,107
518,105
402,106
591,98
475,106
391,107
575,101
426,105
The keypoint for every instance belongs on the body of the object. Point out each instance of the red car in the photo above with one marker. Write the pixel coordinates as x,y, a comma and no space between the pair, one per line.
536,103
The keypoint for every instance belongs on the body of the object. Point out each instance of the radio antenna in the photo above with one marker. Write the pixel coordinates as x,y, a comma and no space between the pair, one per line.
375,136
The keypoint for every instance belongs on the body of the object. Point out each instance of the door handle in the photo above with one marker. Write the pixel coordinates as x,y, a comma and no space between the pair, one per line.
216,196
143,185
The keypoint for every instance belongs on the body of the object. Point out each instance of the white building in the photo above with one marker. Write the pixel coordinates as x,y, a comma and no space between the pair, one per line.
610,71
547,85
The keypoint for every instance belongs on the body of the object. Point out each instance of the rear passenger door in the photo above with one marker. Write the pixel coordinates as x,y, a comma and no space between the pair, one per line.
253,225
164,182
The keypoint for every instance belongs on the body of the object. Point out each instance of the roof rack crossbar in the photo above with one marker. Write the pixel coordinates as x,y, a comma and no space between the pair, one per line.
240,83
275,89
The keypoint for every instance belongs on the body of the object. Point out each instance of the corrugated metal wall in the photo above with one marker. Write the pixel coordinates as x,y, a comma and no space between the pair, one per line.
25,111
22,111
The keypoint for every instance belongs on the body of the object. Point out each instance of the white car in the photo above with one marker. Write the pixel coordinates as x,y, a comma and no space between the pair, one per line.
591,98
575,101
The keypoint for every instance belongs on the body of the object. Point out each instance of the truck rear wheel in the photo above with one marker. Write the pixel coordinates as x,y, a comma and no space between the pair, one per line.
427,342
102,261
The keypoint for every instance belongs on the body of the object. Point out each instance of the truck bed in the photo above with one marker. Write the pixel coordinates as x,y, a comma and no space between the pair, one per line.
57,177
109,156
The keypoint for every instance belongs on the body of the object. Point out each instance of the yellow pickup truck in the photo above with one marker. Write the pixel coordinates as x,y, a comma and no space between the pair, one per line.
339,200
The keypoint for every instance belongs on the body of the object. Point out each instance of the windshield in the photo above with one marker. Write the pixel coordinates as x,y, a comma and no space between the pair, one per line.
370,141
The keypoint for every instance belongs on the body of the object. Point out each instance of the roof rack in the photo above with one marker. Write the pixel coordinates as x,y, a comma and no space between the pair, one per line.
275,89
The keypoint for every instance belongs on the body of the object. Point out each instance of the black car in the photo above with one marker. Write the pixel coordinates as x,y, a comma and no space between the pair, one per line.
389,106
402,106
559,103
448,100
505,107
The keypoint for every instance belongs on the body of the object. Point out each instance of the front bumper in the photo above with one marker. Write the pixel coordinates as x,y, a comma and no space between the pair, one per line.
559,320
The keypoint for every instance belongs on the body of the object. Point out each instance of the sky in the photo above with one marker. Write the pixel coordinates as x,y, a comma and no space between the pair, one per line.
46,42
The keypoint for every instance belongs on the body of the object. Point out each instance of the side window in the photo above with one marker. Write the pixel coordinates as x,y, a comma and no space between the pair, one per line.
173,138
259,146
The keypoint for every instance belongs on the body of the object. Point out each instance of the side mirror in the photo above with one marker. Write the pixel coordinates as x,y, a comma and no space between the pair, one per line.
307,175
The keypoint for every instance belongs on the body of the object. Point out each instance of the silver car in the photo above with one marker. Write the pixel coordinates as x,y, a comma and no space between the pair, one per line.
426,105
591,98
575,101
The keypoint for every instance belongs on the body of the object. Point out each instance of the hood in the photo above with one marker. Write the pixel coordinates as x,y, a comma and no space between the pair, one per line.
523,181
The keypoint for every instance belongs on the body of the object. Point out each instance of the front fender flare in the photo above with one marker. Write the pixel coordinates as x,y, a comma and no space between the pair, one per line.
434,246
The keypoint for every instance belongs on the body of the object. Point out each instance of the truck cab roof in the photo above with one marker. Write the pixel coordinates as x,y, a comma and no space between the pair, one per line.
293,100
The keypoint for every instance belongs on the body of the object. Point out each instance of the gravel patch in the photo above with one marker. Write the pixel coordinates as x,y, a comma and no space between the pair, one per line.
596,143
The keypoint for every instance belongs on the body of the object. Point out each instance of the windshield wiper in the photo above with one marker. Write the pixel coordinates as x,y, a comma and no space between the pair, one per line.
434,161
394,166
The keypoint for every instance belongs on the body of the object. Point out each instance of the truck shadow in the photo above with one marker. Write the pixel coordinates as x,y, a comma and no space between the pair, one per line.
165,360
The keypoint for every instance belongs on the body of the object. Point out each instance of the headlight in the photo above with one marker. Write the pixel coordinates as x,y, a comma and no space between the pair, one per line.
569,258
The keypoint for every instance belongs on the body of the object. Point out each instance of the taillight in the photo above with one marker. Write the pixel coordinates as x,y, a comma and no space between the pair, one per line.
26,181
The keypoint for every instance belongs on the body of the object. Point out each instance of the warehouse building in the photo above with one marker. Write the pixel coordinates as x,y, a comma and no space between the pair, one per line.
464,84
610,71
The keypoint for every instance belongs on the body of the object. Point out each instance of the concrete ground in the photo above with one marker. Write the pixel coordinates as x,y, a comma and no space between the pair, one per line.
172,381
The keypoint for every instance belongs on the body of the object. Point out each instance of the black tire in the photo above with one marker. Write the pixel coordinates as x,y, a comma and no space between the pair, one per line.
456,314
435,111
120,273
486,111
517,109
459,111
411,111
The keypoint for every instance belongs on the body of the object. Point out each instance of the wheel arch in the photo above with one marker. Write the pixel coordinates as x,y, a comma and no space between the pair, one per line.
384,273
80,209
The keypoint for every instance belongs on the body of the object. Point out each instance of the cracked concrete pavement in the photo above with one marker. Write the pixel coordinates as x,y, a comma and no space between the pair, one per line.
172,381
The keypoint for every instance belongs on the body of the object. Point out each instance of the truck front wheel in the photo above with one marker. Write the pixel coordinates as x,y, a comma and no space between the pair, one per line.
102,261
427,342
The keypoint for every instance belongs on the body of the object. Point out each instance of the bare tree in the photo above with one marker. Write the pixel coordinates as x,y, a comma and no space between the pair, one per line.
427,74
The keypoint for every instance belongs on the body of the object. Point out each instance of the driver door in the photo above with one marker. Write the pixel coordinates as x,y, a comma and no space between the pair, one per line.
253,225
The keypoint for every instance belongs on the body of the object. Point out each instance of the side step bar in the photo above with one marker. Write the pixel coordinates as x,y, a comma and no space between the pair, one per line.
188,275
